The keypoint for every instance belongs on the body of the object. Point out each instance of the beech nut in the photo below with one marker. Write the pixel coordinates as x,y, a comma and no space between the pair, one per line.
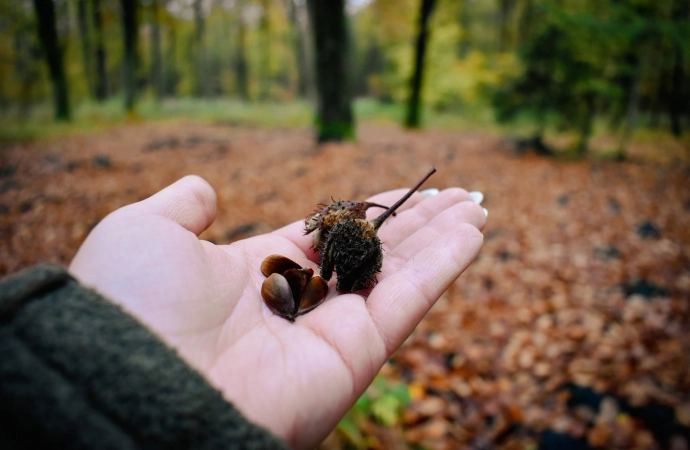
290,290
277,295
314,294
298,279
277,264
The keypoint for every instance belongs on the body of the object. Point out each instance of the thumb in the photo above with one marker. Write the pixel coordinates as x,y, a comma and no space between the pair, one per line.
190,201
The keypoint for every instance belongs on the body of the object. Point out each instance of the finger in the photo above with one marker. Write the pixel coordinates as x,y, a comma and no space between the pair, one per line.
294,232
401,299
388,198
397,229
190,201
463,212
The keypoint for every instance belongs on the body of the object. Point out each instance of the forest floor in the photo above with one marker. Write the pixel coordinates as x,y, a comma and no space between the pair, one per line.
571,328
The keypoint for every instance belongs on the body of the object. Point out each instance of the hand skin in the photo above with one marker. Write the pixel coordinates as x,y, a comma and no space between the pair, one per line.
296,379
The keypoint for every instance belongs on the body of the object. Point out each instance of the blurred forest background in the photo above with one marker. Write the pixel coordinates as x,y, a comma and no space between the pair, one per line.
573,68
571,330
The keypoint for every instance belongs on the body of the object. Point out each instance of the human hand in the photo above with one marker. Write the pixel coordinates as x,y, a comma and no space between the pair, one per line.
296,379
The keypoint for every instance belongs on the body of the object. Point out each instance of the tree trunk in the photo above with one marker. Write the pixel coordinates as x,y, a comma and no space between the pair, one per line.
676,97
299,16
241,66
586,122
27,67
413,118
334,119
265,76
631,110
504,12
85,45
170,77
200,63
526,23
464,22
625,80
130,34
679,15
659,102
156,60
101,76
47,33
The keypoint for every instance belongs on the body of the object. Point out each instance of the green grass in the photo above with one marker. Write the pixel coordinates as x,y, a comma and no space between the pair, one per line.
369,110
90,117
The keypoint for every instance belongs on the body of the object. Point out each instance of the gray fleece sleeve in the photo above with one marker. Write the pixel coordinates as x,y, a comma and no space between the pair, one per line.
78,372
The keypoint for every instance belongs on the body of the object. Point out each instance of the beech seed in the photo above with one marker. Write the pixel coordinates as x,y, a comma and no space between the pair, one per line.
298,279
277,295
277,264
314,294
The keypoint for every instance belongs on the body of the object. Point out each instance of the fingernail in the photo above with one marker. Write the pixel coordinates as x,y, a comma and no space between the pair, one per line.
486,212
477,197
429,192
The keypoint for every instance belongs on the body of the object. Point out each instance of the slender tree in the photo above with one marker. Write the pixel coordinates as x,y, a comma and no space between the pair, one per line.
505,10
27,65
633,103
526,21
413,117
241,65
677,100
334,118
156,58
464,23
85,35
199,49
47,34
130,32
299,16
101,72
265,52
585,121
171,74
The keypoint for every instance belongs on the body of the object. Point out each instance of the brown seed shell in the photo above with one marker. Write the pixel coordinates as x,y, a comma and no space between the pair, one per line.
298,279
277,295
314,294
277,264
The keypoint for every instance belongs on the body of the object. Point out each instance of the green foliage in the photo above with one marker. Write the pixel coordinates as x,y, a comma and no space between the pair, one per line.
383,402
23,76
543,66
452,83
269,46
581,60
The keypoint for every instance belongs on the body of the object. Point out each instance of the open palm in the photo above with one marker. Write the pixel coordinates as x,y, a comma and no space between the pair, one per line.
296,379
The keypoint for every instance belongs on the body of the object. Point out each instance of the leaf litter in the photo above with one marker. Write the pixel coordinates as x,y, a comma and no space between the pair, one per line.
572,326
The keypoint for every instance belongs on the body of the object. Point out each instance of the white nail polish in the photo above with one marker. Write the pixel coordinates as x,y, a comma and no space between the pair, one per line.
429,192
477,197
486,212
